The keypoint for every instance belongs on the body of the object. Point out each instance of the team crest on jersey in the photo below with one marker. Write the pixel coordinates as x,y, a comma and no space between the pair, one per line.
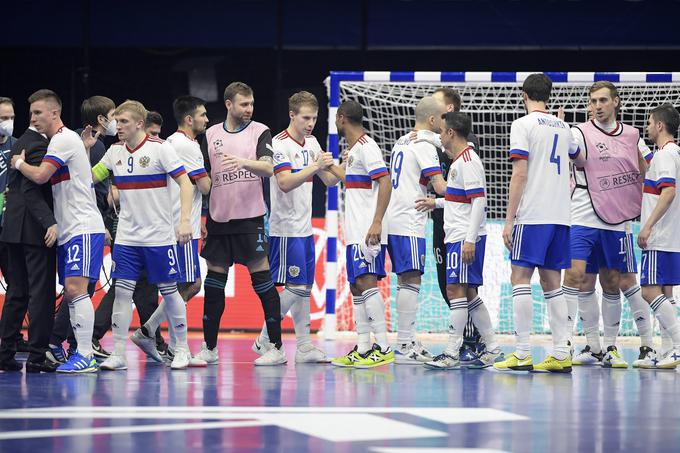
144,161
453,173
350,161
293,271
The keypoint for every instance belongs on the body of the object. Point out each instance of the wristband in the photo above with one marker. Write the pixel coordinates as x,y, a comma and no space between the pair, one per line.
18,164
439,203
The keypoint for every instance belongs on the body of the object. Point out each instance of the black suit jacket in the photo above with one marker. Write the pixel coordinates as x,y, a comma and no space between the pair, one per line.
29,208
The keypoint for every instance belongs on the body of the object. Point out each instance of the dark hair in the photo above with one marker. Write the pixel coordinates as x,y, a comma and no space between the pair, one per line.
185,105
4,100
669,116
352,111
235,88
451,96
44,94
94,106
537,87
153,118
459,122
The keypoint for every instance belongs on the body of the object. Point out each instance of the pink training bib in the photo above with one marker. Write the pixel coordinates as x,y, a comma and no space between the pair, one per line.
612,172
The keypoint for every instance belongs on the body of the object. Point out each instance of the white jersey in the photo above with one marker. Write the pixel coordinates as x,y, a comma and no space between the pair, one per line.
142,176
411,166
365,164
75,206
466,181
291,213
546,142
582,212
664,171
190,155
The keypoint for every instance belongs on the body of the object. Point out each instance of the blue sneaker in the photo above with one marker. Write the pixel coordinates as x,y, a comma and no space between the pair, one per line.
56,354
467,355
78,363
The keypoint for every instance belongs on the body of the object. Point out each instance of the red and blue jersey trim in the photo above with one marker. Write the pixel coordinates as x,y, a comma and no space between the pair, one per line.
179,171
519,154
665,182
378,173
456,195
141,181
197,174
283,166
358,182
474,193
54,160
62,174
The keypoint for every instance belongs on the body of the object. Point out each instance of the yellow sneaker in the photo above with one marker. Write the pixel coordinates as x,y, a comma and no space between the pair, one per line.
552,365
375,357
514,363
347,360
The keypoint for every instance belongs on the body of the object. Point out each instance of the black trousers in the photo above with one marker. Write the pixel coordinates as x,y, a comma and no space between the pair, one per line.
31,288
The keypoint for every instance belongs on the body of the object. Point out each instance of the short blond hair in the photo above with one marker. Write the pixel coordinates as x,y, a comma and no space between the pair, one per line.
613,92
302,98
135,107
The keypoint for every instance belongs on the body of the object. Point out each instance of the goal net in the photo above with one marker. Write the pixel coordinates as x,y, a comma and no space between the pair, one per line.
494,101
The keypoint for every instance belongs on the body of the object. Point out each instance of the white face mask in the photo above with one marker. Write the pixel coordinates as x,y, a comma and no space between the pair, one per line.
111,129
7,128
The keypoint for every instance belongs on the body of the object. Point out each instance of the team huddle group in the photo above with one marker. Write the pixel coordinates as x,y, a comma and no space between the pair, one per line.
572,195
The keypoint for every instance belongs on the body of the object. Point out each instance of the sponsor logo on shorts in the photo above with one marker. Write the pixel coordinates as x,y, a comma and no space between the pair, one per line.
172,271
293,271
75,267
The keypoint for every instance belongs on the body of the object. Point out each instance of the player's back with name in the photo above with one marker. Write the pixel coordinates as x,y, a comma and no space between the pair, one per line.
142,176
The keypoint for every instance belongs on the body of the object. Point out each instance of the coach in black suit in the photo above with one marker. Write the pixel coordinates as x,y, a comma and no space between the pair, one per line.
30,232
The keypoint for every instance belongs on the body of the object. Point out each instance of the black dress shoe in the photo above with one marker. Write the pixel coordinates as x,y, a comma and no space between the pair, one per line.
45,366
10,365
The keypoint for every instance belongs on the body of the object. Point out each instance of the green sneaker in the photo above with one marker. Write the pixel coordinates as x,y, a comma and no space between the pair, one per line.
348,360
375,357
512,362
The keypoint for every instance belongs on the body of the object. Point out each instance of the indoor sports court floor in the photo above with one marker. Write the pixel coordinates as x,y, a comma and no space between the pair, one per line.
317,408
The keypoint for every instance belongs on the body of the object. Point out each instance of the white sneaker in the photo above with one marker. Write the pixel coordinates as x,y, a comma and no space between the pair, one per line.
587,357
670,360
647,358
195,362
114,363
146,344
209,356
406,354
612,359
181,360
261,347
423,354
444,361
487,358
308,353
274,356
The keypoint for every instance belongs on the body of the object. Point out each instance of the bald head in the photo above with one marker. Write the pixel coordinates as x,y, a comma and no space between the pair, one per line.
428,113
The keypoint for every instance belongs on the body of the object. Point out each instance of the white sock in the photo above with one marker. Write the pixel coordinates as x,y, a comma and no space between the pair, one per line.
375,309
640,311
668,318
176,312
589,312
611,317
407,308
571,296
287,300
172,337
523,310
121,316
557,317
481,318
300,312
156,319
666,341
361,321
82,320
458,316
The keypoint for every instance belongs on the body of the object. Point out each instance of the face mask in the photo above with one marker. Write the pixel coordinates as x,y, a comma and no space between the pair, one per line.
111,129
7,128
